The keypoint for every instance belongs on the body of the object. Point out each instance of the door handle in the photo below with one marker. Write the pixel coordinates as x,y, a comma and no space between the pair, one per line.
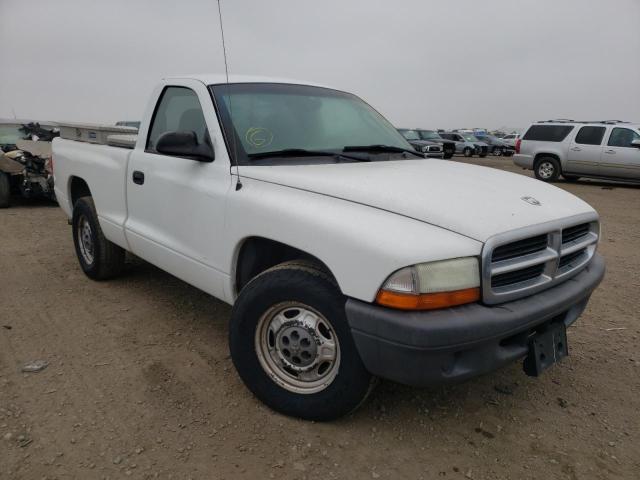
138,177
610,151
576,149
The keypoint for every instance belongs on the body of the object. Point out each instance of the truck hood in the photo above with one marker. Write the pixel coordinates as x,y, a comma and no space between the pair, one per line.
471,200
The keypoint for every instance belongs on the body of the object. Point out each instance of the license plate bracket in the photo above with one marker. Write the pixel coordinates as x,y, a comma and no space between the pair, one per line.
546,348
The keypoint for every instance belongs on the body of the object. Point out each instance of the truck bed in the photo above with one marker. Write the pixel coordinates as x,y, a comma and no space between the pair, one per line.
96,164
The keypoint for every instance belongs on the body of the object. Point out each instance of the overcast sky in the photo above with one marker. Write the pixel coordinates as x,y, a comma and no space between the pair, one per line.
424,63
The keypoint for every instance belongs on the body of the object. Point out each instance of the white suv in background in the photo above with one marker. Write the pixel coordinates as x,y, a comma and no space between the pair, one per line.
608,149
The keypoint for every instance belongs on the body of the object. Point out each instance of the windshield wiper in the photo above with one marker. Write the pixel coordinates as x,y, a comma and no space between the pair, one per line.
301,152
380,148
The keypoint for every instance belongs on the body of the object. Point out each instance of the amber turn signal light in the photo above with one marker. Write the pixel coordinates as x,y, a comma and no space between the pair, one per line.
427,301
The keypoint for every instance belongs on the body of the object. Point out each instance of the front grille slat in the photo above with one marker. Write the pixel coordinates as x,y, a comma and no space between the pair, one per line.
517,276
567,259
520,248
573,233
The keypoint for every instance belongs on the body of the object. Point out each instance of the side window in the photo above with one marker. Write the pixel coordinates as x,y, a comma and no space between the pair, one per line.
178,110
622,137
590,135
547,133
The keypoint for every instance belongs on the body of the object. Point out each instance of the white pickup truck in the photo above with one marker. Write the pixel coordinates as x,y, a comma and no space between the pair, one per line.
346,255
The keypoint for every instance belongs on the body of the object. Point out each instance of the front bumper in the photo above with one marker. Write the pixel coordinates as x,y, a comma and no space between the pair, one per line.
455,344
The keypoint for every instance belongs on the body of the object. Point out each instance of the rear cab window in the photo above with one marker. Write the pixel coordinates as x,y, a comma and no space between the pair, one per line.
590,135
548,133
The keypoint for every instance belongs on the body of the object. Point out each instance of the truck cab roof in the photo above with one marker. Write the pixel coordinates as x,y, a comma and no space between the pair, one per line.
220,78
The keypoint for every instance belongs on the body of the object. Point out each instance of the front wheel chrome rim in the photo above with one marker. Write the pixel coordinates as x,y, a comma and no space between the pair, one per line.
297,347
85,240
546,169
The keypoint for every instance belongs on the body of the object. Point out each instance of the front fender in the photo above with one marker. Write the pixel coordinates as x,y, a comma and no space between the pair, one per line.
361,245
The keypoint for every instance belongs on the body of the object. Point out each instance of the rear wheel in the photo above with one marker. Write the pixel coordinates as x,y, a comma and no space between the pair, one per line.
467,151
497,151
99,258
547,169
5,190
292,346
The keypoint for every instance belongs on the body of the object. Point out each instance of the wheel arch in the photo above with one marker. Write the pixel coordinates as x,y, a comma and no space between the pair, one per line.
255,254
78,188
541,155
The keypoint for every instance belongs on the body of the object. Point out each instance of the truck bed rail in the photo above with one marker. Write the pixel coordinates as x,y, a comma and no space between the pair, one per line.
115,136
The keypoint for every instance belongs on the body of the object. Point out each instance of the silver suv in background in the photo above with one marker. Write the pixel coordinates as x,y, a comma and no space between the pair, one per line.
607,149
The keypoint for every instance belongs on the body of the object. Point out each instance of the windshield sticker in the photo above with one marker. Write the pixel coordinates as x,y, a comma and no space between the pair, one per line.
258,137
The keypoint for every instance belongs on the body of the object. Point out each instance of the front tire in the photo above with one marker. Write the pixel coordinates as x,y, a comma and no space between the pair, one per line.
467,152
99,258
291,344
5,190
497,151
547,169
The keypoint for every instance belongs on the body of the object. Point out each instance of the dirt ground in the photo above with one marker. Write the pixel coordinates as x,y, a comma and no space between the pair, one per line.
140,383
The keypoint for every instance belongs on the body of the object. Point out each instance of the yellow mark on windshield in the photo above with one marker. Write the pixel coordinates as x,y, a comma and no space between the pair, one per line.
258,137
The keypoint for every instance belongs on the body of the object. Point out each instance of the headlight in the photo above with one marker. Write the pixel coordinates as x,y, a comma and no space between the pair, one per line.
425,149
432,285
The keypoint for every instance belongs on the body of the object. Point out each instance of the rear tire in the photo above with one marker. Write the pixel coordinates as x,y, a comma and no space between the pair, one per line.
99,258
291,344
5,190
467,152
547,169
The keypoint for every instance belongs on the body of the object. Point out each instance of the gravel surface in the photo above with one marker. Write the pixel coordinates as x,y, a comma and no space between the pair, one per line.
135,381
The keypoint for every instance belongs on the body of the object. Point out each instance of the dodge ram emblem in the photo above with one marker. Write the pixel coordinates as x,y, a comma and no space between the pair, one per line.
531,201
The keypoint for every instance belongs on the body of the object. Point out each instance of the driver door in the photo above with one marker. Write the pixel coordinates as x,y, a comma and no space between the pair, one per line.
176,205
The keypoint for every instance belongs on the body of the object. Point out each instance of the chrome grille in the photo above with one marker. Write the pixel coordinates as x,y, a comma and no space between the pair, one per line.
525,261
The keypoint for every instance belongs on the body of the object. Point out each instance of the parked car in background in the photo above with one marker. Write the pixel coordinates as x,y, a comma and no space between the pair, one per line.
429,148
607,149
510,139
466,144
448,146
346,256
497,147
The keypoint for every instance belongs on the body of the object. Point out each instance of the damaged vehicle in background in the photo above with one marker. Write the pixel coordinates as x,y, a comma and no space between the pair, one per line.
25,161
429,148
496,146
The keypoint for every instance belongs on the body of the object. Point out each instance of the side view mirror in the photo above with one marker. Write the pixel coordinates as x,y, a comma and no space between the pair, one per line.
635,143
184,144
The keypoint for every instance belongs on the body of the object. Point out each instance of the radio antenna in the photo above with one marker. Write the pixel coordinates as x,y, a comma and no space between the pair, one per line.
226,71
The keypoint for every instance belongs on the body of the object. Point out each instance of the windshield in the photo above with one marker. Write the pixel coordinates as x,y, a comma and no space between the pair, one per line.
268,117
429,135
10,134
410,134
